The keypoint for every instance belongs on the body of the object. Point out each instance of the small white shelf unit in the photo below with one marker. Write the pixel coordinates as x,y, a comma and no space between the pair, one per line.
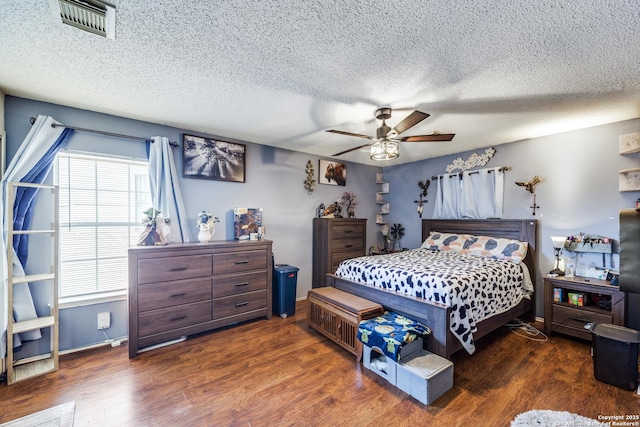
19,370
383,206
629,179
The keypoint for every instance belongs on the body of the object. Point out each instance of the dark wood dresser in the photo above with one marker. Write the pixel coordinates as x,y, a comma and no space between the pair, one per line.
185,288
334,240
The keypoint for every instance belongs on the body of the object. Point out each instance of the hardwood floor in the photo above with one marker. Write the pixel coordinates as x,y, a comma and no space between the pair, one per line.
279,373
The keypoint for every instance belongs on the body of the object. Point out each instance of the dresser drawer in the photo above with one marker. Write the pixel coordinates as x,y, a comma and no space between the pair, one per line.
347,245
238,304
166,319
349,231
578,317
151,270
168,294
224,286
238,262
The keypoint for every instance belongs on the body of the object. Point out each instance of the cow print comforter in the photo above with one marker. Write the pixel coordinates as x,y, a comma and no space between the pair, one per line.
474,287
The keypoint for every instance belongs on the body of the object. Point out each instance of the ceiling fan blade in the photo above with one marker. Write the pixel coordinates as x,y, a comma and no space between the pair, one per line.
432,137
408,122
349,133
350,150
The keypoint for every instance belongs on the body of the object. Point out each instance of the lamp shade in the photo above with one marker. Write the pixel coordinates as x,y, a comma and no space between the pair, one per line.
384,150
558,241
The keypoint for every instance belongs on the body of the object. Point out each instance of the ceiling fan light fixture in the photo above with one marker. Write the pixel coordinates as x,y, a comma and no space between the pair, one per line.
385,149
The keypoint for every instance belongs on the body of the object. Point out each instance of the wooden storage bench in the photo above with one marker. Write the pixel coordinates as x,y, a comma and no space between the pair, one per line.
337,314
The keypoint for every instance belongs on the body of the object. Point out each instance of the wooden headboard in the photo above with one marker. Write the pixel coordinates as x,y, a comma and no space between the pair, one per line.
524,230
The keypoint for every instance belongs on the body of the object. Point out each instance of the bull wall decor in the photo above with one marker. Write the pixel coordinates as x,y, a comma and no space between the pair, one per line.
332,173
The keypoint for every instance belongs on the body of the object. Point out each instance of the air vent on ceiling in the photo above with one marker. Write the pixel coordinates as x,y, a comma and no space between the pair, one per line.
88,15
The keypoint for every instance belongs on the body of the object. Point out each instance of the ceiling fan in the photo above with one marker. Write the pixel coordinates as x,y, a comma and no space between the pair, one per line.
385,145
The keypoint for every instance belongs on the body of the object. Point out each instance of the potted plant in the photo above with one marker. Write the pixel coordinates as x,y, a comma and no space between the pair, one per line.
349,200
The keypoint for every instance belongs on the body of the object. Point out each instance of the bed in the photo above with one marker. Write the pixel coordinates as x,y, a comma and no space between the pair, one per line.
437,315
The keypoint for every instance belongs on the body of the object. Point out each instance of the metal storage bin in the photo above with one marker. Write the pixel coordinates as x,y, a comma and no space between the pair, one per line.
615,355
285,278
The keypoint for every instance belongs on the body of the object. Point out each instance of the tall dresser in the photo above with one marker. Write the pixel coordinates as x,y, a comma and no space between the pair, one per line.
186,288
334,240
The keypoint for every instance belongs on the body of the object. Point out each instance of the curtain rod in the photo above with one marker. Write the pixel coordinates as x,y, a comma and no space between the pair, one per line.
100,132
502,169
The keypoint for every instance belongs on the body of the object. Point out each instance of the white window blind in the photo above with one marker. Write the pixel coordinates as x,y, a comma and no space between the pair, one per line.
101,204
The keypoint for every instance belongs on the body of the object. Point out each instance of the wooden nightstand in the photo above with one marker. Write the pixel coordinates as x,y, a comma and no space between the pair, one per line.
564,317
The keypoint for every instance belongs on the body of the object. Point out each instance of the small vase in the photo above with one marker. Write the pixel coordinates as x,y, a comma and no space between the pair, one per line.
204,235
351,212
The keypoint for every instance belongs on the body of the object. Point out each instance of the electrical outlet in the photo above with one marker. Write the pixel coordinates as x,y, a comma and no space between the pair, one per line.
104,320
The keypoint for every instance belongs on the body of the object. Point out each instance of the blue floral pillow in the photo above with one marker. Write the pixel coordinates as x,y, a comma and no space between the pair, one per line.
446,242
501,248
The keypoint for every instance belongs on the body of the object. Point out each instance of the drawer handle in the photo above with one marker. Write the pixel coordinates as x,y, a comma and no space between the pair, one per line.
348,246
178,318
178,269
577,319
242,262
242,284
241,304
181,294
348,231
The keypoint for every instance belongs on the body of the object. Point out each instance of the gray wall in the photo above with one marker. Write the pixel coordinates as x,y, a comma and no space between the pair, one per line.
578,192
274,182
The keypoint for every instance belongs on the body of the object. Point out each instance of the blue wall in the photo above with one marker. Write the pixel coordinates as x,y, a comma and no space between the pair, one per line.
274,182
578,193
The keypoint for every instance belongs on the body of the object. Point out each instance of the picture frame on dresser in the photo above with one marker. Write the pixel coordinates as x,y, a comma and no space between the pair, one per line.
247,222
208,158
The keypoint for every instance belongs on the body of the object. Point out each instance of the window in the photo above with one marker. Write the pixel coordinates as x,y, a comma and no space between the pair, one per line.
101,200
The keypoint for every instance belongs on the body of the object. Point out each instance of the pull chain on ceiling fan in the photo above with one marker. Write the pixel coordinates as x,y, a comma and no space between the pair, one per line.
386,144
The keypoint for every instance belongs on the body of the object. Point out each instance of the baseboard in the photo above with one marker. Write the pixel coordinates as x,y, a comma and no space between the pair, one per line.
111,342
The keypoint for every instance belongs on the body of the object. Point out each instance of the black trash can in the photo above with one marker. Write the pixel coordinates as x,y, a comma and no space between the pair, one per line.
615,355
285,279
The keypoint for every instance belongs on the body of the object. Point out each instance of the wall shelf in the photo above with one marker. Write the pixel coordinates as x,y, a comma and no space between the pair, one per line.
629,143
629,180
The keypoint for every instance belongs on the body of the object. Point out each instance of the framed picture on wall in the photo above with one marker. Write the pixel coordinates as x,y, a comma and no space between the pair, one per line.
332,173
208,158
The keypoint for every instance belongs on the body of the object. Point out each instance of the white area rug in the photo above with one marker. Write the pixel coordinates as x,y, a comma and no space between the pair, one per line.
548,418
58,416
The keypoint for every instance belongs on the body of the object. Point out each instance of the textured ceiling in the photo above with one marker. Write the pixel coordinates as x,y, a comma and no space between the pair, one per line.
282,72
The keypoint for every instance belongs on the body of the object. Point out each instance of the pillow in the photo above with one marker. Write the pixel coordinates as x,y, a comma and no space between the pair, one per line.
446,242
501,248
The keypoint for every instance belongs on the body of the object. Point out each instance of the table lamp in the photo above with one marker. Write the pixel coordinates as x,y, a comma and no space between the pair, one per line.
558,244
384,230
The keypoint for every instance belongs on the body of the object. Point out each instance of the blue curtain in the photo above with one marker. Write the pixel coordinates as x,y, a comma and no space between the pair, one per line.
23,206
165,188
